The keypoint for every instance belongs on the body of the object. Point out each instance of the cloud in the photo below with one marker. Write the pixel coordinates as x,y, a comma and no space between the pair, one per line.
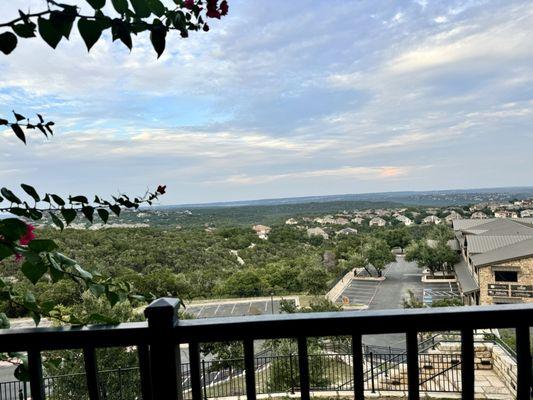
306,99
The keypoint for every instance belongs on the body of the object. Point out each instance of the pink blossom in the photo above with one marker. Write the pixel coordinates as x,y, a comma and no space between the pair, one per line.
28,236
224,8
189,4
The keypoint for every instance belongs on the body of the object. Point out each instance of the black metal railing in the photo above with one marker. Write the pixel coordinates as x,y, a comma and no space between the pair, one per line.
274,374
157,341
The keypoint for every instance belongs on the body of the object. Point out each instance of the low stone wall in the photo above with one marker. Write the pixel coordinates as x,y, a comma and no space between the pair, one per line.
505,367
337,290
482,353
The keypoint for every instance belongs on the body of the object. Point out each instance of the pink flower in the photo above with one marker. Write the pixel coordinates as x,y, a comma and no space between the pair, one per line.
28,236
224,8
189,4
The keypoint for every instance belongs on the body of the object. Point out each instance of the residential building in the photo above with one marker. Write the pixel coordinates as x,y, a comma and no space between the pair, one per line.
357,220
505,214
496,264
431,220
453,215
347,231
404,220
377,221
317,232
526,213
291,221
479,215
262,231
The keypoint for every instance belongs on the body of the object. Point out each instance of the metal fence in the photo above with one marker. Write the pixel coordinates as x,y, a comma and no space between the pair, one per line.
273,374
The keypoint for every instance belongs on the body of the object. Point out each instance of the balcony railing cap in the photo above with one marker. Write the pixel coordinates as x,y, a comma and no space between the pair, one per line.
162,312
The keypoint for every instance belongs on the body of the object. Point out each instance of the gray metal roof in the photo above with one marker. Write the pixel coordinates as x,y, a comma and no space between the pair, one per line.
464,224
454,244
483,243
467,283
514,251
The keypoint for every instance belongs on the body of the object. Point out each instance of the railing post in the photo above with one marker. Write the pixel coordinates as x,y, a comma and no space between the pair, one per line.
523,361
372,372
35,368
292,373
204,380
358,369
412,366
164,352
467,364
303,363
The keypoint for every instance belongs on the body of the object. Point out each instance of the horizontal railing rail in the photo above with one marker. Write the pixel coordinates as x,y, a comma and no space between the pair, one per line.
158,339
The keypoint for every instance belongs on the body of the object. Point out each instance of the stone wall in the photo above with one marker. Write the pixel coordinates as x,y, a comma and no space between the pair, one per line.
505,367
525,277
482,353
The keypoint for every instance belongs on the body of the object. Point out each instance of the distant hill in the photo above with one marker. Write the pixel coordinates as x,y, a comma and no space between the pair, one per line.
456,197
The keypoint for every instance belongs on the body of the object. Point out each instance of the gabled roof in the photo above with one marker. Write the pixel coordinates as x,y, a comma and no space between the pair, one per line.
514,251
467,283
464,224
498,226
484,243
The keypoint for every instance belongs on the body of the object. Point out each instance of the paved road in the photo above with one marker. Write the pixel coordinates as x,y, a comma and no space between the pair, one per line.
401,276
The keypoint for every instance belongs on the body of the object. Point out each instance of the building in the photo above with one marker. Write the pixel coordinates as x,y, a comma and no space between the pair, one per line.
317,232
358,220
526,213
404,220
479,215
377,221
262,231
496,264
431,220
453,215
505,214
347,231
291,221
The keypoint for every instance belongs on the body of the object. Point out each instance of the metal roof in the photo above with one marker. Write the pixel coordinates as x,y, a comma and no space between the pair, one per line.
514,251
483,243
467,283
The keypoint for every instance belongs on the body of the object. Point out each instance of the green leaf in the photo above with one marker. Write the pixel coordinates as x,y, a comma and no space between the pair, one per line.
19,212
19,132
33,271
158,38
88,211
69,215
96,289
30,190
8,42
22,372
157,7
112,297
103,214
36,317
35,214
90,31
59,201
49,33
10,196
40,245
12,229
96,4
57,221
5,252
116,209
25,30
121,30
141,8
101,319
121,6
63,20
83,274
78,199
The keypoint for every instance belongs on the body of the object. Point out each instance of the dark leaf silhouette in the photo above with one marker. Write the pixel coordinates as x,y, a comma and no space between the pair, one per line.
49,33
19,132
8,42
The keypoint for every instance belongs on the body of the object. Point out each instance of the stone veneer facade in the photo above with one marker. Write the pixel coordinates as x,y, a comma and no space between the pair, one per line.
525,277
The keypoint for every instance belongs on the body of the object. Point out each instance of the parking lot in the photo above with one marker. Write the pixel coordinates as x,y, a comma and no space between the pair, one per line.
439,291
237,308
360,292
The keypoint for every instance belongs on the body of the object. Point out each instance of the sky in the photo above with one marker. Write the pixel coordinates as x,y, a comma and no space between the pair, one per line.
281,99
